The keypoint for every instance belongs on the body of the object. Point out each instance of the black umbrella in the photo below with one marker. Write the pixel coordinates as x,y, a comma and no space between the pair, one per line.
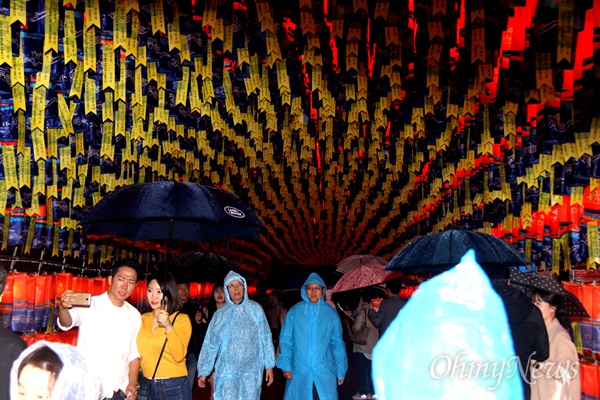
171,210
285,277
199,266
440,251
529,281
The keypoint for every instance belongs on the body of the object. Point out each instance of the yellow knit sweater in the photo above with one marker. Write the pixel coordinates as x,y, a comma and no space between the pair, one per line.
172,363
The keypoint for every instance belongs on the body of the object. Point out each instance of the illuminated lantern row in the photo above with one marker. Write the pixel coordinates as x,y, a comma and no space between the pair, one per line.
350,128
28,301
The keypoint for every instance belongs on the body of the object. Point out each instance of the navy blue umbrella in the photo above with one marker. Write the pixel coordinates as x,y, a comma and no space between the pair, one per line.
171,210
196,266
440,251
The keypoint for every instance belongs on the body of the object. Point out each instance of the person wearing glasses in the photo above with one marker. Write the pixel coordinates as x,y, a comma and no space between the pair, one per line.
313,353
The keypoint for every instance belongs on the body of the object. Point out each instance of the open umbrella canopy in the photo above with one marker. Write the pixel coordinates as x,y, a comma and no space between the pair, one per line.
529,281
354,261
364,276
171,210
440,251
196,266
285,277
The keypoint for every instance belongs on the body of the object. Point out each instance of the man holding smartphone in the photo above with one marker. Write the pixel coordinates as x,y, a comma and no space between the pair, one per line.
108,330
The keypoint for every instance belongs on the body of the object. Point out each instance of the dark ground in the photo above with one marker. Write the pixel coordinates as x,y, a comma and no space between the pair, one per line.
275,391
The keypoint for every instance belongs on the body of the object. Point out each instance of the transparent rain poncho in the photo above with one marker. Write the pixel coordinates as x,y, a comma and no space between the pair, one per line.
450,341
74,380
240,341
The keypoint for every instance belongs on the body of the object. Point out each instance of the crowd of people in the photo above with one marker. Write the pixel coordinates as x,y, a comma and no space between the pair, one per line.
234,343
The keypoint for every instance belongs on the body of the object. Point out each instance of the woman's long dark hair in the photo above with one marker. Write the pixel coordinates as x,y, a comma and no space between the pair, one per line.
556,301
168,286
212,304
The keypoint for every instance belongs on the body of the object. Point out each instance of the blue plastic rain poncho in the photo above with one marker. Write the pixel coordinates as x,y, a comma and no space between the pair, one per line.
450,341
73,382
239,338
312,348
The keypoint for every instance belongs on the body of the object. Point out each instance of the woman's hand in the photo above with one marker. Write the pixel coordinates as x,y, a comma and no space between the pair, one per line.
162,317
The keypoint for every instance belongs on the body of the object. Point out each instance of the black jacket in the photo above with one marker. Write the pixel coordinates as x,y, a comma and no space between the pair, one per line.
388,310
10,348
527,326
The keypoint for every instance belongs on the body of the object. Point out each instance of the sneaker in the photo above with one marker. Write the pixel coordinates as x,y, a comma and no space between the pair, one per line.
359,396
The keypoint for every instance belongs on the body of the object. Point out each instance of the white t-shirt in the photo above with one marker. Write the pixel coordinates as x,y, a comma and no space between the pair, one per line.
107,336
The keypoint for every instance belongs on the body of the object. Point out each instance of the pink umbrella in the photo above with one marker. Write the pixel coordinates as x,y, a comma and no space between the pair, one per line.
351,262
363,276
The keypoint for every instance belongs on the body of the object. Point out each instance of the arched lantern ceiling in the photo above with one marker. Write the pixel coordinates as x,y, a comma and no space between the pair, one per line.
350,127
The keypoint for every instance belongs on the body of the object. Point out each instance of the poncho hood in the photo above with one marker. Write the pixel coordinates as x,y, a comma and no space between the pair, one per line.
234,276
74,380
313,278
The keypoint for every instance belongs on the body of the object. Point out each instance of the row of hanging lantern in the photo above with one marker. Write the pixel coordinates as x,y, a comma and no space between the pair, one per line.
28,301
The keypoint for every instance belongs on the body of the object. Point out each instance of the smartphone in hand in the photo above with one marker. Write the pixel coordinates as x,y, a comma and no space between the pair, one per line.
82,299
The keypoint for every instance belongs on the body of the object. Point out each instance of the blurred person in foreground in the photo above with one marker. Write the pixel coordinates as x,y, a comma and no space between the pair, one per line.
558,376
313,354
451,341
163,342
108,331
52,371
238,345
12,346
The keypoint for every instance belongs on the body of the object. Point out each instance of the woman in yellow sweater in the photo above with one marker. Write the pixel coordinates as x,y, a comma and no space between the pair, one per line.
162,343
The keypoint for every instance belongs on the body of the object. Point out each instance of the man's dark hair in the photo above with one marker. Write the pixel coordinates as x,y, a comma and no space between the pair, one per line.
128,262
394,286
2,278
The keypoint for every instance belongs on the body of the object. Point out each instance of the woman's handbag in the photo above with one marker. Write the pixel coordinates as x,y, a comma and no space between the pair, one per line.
360,336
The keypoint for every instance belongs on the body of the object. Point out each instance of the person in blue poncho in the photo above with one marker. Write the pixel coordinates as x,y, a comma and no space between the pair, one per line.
239,339
313,354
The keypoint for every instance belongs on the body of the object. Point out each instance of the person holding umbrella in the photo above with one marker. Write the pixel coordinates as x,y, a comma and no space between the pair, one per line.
558,376
163,342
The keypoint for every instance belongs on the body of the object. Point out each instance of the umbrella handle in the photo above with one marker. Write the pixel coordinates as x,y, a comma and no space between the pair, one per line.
169,240
168,256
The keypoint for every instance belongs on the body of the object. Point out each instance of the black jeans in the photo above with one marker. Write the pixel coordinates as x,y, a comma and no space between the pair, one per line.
363,366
